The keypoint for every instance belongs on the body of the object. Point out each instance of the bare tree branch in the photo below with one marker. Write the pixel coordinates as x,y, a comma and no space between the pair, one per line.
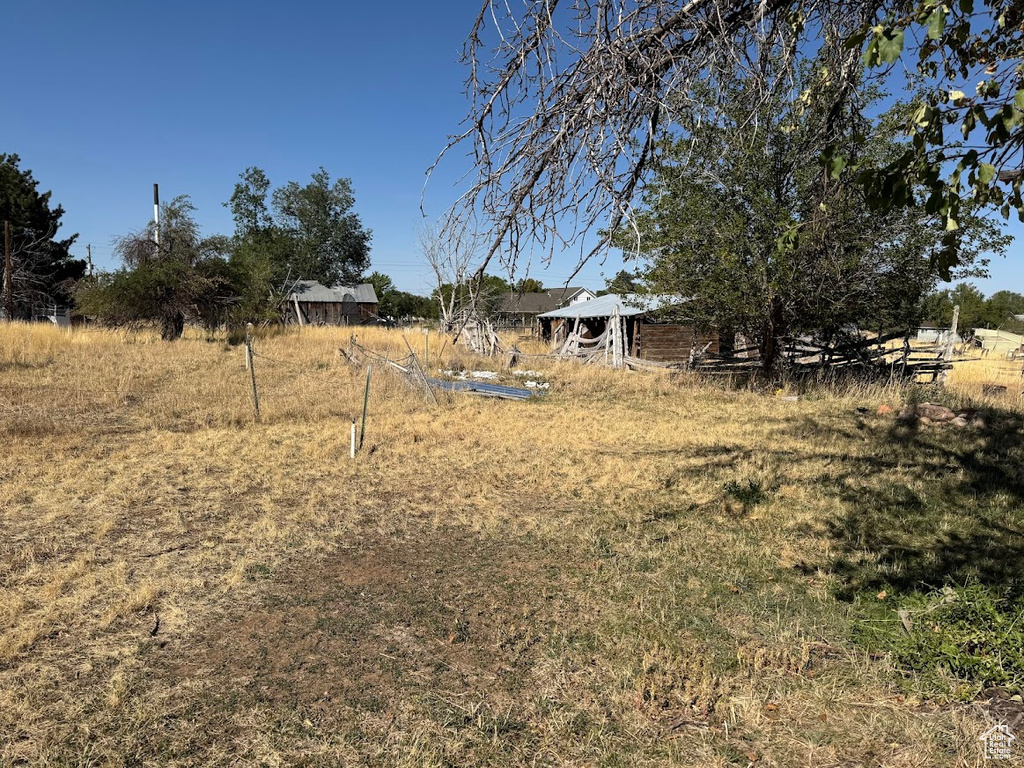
568,98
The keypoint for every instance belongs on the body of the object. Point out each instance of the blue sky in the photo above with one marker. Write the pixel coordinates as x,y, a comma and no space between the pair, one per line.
104,99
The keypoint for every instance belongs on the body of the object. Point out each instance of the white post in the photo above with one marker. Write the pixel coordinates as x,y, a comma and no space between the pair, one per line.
352,444
156,213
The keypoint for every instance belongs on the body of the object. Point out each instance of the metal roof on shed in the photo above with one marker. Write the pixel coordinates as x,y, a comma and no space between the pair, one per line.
310,290
629,304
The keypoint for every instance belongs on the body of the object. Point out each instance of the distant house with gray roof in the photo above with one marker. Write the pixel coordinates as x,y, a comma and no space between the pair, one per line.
314,304
520,310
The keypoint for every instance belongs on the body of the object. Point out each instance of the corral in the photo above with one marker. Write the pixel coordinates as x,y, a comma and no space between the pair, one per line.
638,569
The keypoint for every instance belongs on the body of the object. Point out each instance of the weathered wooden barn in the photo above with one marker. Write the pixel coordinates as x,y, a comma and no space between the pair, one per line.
654,326
314,304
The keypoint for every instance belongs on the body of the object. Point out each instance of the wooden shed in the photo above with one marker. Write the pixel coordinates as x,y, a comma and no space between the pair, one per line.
650,335
315,304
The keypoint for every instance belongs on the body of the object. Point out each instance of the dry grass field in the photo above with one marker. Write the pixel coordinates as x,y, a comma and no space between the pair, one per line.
634,569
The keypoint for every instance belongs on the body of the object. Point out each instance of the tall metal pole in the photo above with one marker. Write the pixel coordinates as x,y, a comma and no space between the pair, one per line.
156,214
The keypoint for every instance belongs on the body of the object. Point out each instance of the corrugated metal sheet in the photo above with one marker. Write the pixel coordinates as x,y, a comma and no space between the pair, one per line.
629,304
488,390
312,291
998,341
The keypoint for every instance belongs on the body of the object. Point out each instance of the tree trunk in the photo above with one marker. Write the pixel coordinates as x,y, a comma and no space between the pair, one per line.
770,330
173,327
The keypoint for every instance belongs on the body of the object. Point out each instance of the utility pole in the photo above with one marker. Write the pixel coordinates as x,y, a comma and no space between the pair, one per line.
88,250
156,215
8,273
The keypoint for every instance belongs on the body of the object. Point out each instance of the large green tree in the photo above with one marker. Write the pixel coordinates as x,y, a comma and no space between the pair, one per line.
326,238
183,277
42,266
567,100
997,311
308,232
742,219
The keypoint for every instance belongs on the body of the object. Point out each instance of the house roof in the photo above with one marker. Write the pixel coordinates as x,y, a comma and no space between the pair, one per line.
629,305
314,292
535,303
995,336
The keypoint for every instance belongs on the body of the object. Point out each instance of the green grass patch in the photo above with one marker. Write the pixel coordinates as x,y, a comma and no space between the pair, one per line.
953,642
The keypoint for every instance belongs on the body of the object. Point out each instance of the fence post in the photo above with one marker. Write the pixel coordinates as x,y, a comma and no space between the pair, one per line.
366,400
947,355
252,369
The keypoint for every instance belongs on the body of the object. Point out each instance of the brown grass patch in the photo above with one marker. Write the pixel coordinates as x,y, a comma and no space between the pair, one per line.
635,569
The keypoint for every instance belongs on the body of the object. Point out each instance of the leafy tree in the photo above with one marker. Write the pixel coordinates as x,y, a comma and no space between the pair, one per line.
529,285
408,305
953,46
741,217
42,266
623,282
182,278
326,238
973,307
936,307
997,311
382,284
555,133
1002,306
295,232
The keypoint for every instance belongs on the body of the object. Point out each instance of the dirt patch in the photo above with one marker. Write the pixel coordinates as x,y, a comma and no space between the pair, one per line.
448,624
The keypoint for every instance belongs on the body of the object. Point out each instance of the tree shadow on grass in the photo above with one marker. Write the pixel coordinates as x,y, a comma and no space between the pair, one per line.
927,507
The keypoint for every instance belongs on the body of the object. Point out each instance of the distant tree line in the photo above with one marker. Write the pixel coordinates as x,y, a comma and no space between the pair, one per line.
42,269
297,231
997,311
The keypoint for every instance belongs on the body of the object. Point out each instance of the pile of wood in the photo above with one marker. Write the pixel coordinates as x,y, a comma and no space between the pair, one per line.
479,336
609,348
874,356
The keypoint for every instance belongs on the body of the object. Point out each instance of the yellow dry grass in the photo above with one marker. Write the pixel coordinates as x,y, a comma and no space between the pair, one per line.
970,378
140,501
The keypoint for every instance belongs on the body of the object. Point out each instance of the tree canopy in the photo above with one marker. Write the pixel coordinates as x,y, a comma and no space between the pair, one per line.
976,311
42,265
308,232
184,277
740,219
569,100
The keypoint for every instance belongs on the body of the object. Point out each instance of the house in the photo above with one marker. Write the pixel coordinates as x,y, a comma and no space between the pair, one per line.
520,310
315,304
929,333
655,326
